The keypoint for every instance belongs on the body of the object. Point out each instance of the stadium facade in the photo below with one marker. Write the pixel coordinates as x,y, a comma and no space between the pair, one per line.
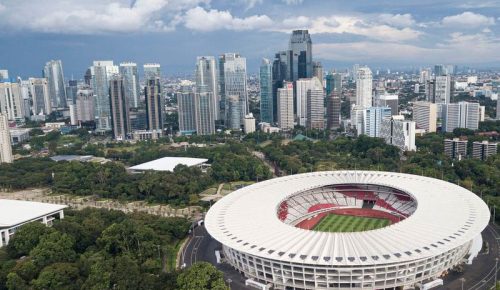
268,234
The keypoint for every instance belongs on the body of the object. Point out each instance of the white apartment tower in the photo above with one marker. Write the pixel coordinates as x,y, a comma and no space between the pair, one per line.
364,87
425,116
5,143
285,106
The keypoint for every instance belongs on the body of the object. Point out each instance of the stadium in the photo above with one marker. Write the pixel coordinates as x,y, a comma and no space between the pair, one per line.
348,230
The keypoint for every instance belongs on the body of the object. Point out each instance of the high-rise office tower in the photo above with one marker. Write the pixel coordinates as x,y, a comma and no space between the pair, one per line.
101,72
460,115
281,73
154,104
482,113
152,71
300,62
71,91
316,105
235,84
318,71
120,119
24,88
482,150
187,115
425,75
5,143
285,106
398,132
11,101
372,120
207,81
425,116
442,91
84,105
364,87
333,83
440,70
128,70
39,90
455,148
87,78
4,75
333,106
233,112
53,71
204,111
354,72
302,86
387,100
266,91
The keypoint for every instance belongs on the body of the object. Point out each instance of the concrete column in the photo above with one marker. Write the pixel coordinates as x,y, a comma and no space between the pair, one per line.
1,240
7,236
44,220
61,214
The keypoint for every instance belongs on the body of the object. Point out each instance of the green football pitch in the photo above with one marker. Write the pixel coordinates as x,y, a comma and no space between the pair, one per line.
346,223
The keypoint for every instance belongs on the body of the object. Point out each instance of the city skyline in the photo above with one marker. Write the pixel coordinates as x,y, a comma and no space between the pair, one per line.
408,35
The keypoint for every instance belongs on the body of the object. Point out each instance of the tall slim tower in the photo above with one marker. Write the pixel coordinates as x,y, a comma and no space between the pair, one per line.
207,80
235,84
204,108
39,90
151,71
5,144
128,70
302,86
316,105
187,115
101,72
281,73
334,83
301,62
266,91
333,106
442,90
154,104
53,71
364,87
11,101
120,118
285,106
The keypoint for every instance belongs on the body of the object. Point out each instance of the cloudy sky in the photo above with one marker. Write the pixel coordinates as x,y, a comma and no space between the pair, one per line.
380,33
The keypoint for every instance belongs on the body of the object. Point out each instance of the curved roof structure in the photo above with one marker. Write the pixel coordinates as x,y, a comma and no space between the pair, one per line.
447,216
168,163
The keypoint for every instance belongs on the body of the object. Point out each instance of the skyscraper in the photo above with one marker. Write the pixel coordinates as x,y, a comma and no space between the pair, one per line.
204,111
4,75
71,91
334,83
266,91
128,70
24,88
84,106
11,101
151,71
302,86
425,75
233,112
372,120
398,132
281,73
154,104
120,119
187,115
318,71
39,90
316,105
300,62
53,71
101,72
391,101
235,84
207,82
442,91
5,143
333,106
460,115
364,87
285,106
425,116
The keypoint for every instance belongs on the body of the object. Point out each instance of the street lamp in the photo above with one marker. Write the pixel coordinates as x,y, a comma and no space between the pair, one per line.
462,280
229,282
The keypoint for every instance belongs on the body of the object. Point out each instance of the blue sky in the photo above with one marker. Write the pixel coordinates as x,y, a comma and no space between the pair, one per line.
380,33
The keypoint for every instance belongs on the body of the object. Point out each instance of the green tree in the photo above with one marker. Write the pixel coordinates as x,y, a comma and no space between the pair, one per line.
26,238
62,276
201,276
54,247
14,282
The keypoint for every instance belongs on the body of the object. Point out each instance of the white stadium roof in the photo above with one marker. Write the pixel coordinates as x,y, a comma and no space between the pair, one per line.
446,217
168,163
15,212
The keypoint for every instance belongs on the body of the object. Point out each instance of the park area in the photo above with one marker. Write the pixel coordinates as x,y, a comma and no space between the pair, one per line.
347,223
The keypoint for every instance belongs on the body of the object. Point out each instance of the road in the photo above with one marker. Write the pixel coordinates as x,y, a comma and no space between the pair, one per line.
478,276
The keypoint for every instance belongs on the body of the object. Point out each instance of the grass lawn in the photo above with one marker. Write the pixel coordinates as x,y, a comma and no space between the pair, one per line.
236,185
346,223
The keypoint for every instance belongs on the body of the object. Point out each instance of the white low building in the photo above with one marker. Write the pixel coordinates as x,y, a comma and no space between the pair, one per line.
169,163
15,213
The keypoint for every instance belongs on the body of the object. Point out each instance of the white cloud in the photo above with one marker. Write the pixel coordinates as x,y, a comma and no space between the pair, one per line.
398,20
251,3
2,7
94,16
292,2
356,25
209,20
468,19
